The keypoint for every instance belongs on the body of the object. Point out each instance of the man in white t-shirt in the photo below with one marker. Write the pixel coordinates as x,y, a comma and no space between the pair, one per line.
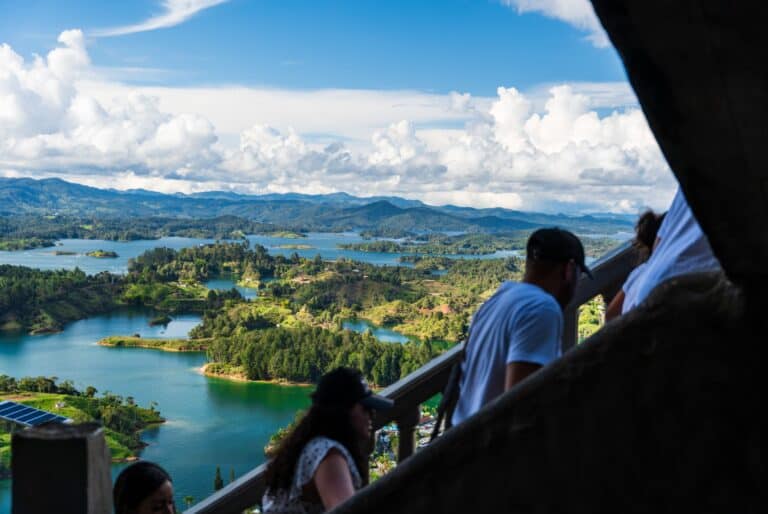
519,329
681,248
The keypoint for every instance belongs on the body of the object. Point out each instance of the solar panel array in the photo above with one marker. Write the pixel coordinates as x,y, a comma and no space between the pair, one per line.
27,416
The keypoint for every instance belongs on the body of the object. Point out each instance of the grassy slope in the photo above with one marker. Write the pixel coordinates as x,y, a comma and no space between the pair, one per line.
71,407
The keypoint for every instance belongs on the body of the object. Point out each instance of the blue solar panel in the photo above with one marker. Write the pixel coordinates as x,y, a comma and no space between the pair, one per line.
26,415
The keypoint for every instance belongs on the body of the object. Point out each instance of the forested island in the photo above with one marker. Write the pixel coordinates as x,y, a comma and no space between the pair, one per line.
43,301
102,254
293,331
34,231
469,244
123,420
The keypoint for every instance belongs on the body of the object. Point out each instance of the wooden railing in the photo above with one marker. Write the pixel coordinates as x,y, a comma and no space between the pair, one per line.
410,392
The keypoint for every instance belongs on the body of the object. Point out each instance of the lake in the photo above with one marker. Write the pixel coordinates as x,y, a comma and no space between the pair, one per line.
325,244
381,333
210,421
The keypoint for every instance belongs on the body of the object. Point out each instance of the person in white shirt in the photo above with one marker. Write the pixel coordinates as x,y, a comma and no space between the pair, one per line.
681,247
519,329
646,232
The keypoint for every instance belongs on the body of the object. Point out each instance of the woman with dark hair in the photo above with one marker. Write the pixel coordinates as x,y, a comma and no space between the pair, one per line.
646,229
143,488
323,461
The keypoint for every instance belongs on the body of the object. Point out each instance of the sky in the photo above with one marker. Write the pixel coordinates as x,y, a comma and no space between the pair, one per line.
522,104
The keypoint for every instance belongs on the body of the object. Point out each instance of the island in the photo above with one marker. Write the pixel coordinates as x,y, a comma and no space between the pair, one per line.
12,245
102,254
295,247
166,345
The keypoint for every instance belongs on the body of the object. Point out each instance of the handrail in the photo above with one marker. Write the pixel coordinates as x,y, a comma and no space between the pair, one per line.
411,391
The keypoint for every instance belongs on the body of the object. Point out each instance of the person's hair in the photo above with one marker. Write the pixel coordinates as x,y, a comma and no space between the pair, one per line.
646,228
136,483
331,421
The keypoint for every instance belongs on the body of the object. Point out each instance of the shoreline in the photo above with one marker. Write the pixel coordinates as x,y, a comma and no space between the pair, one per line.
203,370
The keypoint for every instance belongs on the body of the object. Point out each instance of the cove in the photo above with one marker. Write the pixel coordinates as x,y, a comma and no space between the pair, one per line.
211,421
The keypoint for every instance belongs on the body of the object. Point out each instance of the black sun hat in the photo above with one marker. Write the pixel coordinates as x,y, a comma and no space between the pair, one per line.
556,245
345,387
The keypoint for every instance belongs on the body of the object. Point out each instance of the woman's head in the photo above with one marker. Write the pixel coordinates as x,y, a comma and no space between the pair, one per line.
143,488
345,390
646,228
342,408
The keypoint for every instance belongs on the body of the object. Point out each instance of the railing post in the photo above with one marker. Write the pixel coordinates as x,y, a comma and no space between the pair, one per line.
406,425
570,328
61,468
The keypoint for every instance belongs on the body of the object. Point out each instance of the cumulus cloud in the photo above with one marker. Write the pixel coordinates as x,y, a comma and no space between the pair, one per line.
174,12
561,149
578,13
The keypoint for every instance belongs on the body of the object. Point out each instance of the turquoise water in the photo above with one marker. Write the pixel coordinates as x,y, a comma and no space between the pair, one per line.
210,421
225,284
381,333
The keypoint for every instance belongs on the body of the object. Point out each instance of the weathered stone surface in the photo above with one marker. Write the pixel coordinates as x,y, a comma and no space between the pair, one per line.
700,71
655,413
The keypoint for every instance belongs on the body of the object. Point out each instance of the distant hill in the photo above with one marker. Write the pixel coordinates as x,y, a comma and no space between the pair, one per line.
334,212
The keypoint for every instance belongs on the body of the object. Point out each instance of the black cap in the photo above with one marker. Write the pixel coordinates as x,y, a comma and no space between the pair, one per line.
556,245
345,387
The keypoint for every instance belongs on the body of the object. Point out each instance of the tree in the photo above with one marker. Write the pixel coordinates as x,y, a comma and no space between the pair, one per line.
218,483
231,475
189,500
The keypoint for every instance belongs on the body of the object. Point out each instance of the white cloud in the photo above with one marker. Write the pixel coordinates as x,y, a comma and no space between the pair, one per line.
578,13
174,13
566,148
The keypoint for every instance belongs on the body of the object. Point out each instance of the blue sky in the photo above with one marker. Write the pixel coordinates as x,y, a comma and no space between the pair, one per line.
513,103
440,45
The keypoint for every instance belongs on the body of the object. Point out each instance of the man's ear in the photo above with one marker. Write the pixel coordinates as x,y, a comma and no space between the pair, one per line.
569,271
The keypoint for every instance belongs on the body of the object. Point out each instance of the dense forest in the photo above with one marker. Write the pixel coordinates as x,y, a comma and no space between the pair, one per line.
43,301
303,354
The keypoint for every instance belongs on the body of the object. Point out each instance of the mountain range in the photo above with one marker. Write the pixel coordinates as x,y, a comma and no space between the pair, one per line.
328,212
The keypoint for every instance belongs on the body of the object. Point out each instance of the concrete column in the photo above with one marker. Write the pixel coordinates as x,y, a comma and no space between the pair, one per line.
61,468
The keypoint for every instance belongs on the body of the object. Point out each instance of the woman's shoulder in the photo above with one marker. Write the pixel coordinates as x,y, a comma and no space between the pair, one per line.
315,451
318,447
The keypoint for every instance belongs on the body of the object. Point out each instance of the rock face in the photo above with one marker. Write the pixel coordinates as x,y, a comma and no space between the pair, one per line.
655,413
699,71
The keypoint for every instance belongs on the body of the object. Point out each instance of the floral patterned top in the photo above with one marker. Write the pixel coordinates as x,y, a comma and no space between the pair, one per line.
291,501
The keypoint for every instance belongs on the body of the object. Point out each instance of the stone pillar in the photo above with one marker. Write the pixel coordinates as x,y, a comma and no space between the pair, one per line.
61,468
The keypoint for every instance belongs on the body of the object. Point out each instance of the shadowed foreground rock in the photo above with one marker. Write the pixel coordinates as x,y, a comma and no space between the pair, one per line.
655,413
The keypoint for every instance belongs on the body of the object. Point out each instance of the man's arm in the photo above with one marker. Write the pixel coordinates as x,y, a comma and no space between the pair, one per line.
614,308
517,372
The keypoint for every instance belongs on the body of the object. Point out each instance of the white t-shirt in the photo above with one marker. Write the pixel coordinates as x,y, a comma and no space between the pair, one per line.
683,248
630,286
519,323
